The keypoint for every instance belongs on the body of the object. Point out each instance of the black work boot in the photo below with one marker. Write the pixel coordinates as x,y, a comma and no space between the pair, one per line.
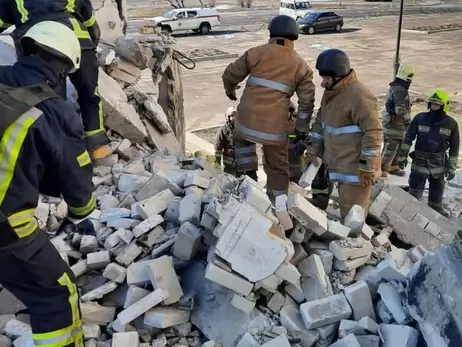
416,193
438,207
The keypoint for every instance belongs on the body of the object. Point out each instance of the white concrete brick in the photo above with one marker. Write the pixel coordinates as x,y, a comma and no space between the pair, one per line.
255,196
367,233
276,302
299,233
125,235
187,242
327,331
380,240
99,292
147,225
280,341
299,255
141,306
312,266
392,300
355,220
368,340
16,328
153,205
134,294
122,223
347,327
360,300
288,272
325,311
196,178
80,268
95,313
129,254
307,214
88,244
316,287
389,271
163,276
153,237
243,304
379,204
291,319
310,173
417,253
349,265
327,259
229,280
368,324
165,317
247,341
91,331
295,291
98,260
281,212
130,182
369,275
137,272
350,249
348,341
130,338
399,335
270,283
336,231
157,183
115,272
190,209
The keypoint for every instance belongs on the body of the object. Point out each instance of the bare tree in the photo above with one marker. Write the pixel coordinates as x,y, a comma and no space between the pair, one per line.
176,3
212,3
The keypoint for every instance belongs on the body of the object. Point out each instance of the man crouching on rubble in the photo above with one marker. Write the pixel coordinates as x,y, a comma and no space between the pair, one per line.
42,151
347,133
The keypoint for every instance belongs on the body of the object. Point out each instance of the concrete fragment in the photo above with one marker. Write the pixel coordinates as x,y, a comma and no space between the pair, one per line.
350,248
347,327
134,294
91,331
368,324
288,272
270,283
79,268
307,214
99,292
187,242
368,340
98,260
247,341
280,341
327,259
157,183
153,205
125,339
190,209
348,341
355,220
129,254
326,332
380,203
325,311
310,173
367,233
227,279
147,225
299,233
276,302
336,231
255,196
196,178
95,313
115,272
389,270
417,253
399,335
163,276
383,313
295,291
281,212
360,300
243,304
380,240
369,275
164,317
141,306
15,328
299,255
88,244
291,319
131,182
392,300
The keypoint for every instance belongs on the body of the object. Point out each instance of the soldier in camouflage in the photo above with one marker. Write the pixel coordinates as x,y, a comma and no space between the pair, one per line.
224,143
396,118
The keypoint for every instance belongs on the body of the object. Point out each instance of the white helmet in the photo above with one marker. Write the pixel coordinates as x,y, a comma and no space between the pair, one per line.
406,73
58,38
230,111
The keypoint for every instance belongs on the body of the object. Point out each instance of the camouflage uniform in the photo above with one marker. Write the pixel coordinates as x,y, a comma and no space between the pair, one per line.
224,147
395,120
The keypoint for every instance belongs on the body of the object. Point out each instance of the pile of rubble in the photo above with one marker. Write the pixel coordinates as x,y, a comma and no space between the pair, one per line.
185,255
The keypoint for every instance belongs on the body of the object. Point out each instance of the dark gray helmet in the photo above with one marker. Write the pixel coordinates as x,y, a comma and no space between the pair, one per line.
283,26
333,62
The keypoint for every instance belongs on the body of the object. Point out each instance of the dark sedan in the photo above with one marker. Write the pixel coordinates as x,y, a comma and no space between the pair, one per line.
314,22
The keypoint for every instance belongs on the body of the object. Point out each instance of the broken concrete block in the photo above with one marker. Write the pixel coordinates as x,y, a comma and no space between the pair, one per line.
350,248
392,300
247,341
360,300
380,204
163,276
310,173
281,212
312,266
164,317
355,220
16,328
134,294
295,291
270,283
196,178
95,313
380,240
276,302
255,196
389,270
115,272
153,205
227,279
98,260
280,341
131,183
288,272
5,341
327,259
383,313
327,332
155,236
336,231
325,311
187,242
125,339
291,319
243,304
347,327
417,253
129,254
299,255
91,331
123,223
141,306
307,214
316,287
368,340
348,341
350,264
399,335
367,233
157,183
190,209
79,268
147,225
88,244
99,292
368,324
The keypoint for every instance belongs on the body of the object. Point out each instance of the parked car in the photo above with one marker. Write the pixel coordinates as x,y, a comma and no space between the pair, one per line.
320,21
295,8
183,19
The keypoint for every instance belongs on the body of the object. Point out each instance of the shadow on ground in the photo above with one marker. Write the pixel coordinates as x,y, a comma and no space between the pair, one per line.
344,31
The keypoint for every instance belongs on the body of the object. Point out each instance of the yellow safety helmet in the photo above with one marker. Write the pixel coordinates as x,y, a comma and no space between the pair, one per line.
439,96
57,39
405,73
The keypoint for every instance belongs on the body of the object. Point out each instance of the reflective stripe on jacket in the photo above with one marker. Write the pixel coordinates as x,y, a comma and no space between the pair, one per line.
347,132
276,71
224,146
396,115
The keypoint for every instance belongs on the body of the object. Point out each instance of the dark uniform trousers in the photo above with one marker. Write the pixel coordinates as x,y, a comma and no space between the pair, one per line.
435,193
295,161
390,152
321,188
36,274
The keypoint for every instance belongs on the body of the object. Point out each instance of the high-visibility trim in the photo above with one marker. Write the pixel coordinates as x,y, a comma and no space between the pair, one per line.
84,210
303,115
343,177
317,136
22,11
426,171
4,25
262,82
59,338
100,118
292,136
10,147
423,128
369,152
27,229
320,191
445,131
228,161
70,6
83,159
245,150
394,132
349,129
21,217
78,31
90,22
245,160
260,134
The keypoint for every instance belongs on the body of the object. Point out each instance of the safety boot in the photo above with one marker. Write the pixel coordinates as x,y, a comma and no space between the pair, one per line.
101,152
396,171
438,207
416,193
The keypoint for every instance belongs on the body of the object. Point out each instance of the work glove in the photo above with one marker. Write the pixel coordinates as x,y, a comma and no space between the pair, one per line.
402,164
450,175
232,94
95,33
299,148
366,178
83,226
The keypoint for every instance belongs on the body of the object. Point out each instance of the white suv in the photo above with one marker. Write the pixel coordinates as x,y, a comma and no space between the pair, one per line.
182,19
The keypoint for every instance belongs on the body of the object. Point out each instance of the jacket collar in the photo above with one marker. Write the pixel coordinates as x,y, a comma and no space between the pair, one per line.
37,69
340,86
400,82
287,42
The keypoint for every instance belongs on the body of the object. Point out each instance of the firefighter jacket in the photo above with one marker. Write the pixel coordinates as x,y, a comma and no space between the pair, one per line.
275,72
75,14
435,133
42,151
396,115
224,145
347,132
